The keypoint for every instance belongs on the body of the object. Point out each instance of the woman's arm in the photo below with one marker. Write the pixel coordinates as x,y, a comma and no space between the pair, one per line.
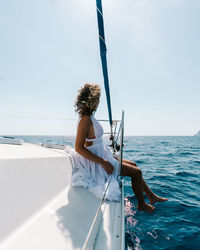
82,132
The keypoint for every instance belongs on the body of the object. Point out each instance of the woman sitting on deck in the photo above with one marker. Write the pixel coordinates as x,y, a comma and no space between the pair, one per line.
93,160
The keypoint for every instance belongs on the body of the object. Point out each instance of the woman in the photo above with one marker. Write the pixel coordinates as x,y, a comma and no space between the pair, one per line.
93,160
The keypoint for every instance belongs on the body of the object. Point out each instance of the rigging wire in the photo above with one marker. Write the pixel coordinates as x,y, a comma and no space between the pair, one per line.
36,117
96,216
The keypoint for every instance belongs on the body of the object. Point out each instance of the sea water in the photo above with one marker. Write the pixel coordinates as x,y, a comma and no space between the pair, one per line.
171,168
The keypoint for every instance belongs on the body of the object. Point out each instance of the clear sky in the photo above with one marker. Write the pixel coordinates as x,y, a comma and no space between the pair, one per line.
50,48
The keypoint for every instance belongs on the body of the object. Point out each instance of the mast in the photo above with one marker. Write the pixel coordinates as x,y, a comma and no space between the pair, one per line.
103,51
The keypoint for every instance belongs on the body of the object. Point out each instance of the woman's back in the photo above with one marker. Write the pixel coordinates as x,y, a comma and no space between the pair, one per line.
95,136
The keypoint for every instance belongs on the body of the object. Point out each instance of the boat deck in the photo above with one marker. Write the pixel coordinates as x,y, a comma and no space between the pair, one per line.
41,210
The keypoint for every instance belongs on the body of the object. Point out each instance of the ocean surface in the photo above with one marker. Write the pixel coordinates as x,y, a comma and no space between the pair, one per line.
171,168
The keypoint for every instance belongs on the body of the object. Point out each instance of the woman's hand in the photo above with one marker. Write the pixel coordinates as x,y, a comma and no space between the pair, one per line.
108,167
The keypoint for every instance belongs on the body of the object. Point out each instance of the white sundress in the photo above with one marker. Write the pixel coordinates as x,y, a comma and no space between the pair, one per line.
91,175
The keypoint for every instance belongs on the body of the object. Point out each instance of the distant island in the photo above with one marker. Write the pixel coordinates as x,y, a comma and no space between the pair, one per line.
198,134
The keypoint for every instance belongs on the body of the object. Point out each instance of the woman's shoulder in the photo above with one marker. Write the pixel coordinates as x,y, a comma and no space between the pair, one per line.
85,119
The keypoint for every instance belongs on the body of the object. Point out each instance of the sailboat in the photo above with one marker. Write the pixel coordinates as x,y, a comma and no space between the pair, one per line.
39,207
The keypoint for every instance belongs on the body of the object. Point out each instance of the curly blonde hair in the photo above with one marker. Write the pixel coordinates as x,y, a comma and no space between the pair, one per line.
88,99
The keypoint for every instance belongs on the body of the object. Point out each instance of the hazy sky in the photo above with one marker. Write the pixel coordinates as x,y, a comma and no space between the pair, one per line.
49,49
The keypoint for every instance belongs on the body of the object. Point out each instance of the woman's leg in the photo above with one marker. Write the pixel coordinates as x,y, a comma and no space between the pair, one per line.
153,198
146,189
137,185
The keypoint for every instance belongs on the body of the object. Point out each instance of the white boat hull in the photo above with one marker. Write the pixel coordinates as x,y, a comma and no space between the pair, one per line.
40,210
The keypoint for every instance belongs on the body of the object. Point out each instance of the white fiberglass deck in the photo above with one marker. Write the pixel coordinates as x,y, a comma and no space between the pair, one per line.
39,208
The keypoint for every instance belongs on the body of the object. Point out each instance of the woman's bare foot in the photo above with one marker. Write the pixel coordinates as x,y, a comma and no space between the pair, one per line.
157,199
146,208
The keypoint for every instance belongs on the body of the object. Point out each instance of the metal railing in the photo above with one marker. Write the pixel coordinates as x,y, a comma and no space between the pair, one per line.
121,129
120,166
